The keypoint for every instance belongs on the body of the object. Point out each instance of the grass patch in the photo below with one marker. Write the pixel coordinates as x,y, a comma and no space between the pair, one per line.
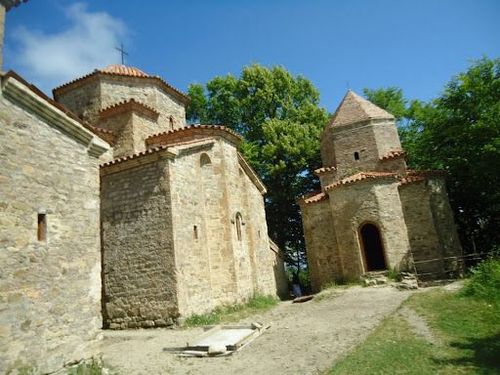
232,313
468,330
484,283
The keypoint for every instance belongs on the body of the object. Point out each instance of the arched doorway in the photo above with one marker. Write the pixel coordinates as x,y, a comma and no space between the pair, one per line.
373,247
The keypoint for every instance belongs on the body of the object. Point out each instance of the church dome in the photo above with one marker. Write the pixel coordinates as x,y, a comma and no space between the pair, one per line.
123,70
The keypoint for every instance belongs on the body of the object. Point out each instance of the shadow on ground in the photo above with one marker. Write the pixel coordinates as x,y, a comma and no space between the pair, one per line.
484,354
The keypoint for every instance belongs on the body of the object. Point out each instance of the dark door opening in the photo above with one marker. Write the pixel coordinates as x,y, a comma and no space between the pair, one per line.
373,248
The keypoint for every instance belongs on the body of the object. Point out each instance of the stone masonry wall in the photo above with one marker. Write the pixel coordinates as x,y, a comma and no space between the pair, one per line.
214,267
445,227
204,266
422,233
386,137
138,259
88,98
50,290
117,89
122,128
349,140
267,266
323,257
244,250
130,132
2,30
370,140
431,228
376,203
85,101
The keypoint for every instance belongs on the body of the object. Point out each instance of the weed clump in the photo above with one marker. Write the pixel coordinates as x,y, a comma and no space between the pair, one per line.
232,312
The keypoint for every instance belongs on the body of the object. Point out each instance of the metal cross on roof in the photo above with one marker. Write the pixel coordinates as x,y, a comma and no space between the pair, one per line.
123,53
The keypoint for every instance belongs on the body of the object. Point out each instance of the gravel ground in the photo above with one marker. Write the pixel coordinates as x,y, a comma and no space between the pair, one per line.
304,338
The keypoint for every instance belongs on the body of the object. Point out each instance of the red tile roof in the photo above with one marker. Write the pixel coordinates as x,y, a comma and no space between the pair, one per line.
128,105
188,132
393,155
414,176
122,71
323,170
134,156
410,180
360,177
314,198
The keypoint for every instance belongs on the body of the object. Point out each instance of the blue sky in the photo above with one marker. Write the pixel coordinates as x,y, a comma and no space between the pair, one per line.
415,45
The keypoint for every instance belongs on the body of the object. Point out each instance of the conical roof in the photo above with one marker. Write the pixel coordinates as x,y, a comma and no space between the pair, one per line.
355,108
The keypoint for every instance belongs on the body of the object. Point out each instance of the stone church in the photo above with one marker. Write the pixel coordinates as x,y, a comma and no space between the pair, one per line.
372,213
117,214
183,225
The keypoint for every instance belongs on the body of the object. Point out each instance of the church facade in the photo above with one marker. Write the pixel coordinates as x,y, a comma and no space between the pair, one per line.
117,214
183,225
372,213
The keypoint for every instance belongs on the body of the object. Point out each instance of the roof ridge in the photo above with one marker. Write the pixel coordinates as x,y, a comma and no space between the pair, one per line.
134,156
196,126
125,102
360,176
130,72
354,108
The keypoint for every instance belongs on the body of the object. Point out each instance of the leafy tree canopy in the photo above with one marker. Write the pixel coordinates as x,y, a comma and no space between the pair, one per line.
459,132
279,116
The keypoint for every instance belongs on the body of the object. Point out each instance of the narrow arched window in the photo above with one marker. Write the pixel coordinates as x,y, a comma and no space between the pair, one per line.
356,155
171,121
205,160
239,223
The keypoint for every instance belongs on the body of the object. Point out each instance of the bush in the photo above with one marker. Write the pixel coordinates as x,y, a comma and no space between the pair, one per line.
485,282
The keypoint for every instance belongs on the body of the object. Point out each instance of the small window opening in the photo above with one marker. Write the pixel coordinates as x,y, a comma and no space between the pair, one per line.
195,232
171,121
238,225
258,232
42,227
356,155
205,160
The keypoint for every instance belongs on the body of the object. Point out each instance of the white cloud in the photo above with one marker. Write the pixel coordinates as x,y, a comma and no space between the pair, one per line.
88,43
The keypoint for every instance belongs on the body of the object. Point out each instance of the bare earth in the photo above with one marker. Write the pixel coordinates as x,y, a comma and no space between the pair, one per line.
305,338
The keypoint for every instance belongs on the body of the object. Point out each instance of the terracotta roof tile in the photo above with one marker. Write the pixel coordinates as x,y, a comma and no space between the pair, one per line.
134,156
100,130
314,198
414,176
172,136
323,170
427,172
355,108
410,180
360,177
123,71
128,105
393,155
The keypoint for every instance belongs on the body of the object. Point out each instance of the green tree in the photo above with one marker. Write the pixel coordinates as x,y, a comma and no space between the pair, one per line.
460,133
279,117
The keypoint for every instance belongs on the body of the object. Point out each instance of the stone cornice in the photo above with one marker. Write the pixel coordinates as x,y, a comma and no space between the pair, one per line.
17,92
251,174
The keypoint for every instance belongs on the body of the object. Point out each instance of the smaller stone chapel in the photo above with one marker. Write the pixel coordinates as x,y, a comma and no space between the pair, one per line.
373,213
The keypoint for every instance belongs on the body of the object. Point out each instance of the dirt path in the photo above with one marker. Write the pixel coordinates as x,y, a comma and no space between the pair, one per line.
303,339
